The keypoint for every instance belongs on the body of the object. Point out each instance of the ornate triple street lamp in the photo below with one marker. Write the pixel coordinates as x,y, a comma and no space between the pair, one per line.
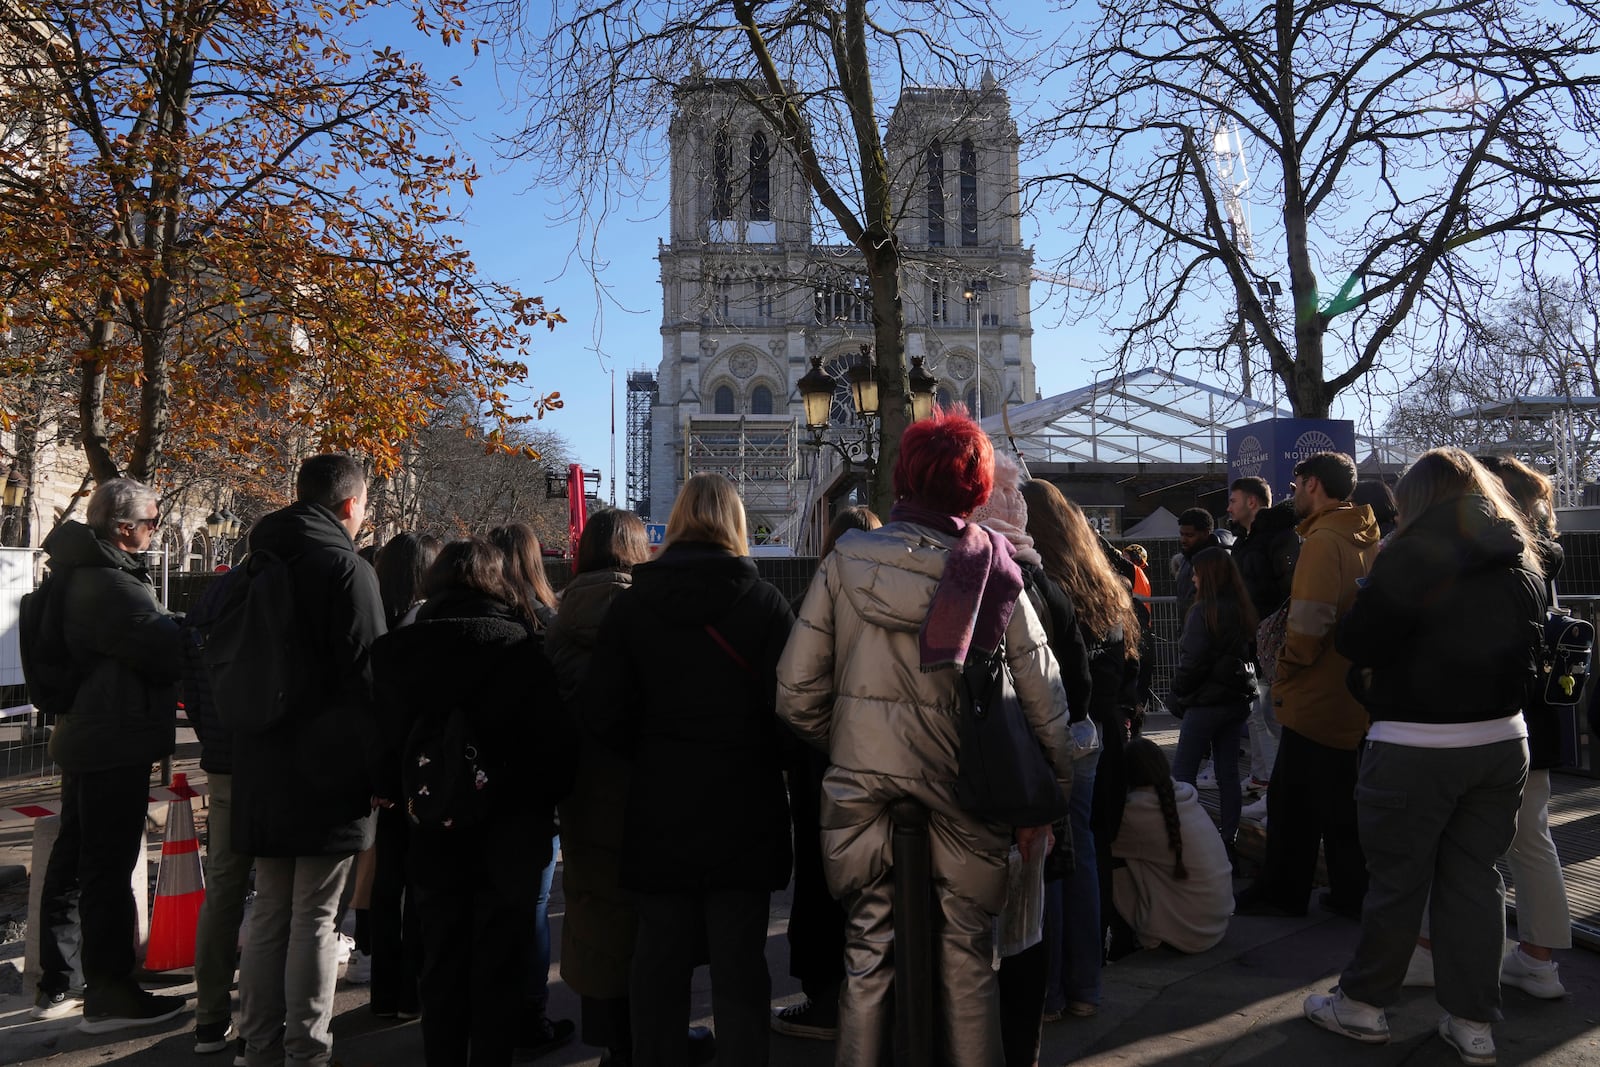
12,501
816,390
222,526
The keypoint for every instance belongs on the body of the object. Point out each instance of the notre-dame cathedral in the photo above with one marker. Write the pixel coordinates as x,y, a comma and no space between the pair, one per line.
748,294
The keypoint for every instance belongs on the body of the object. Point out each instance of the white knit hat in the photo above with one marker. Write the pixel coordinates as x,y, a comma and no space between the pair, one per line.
1006,512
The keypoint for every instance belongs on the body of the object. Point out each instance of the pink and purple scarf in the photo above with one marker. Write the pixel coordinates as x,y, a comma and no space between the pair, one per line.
976,595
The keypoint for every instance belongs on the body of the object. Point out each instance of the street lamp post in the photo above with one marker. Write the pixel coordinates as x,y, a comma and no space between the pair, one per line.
222,527
970,294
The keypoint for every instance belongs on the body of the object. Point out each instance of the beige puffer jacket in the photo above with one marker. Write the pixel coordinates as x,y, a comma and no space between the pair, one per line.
850,683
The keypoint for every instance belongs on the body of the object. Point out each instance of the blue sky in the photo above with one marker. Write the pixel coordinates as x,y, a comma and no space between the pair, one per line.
512,239
510,232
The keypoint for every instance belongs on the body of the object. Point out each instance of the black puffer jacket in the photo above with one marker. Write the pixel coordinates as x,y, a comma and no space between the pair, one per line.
304,788
468,649
1266,557
707,808
1214,666
1185,575
1447,626
126,649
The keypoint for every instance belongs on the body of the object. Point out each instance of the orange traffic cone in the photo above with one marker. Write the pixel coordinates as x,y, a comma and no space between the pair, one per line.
180,888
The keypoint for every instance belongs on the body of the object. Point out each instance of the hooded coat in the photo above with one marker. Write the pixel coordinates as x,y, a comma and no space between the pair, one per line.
127,652
468,649
851,683
1190,914
1450,621
706,807
1266,556
1337,546
597,935
304,787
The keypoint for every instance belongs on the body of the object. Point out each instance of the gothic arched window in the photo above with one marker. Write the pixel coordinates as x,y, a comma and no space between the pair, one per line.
935,169
969,193
721,176
760,179
761,400
722,400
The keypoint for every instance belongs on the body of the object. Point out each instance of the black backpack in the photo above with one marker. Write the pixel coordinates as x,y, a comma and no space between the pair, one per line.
251,646
446,780
1564,663
47,665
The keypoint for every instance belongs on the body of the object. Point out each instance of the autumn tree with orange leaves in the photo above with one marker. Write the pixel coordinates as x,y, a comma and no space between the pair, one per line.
235,219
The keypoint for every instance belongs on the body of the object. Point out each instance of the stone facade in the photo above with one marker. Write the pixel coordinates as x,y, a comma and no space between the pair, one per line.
748,295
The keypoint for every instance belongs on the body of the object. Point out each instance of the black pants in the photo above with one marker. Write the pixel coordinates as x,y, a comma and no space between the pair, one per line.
735,924
475,893
87,903
1312,801
816,920
1022,981
393,929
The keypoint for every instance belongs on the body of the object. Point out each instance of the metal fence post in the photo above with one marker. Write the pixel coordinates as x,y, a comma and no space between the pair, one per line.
913,936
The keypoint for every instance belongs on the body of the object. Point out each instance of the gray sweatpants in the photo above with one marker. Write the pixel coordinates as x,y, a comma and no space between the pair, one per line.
1439,818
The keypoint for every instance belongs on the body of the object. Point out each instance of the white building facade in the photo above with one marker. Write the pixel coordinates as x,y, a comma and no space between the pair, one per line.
748,297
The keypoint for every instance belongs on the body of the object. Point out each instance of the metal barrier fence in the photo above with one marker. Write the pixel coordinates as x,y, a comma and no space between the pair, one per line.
23,738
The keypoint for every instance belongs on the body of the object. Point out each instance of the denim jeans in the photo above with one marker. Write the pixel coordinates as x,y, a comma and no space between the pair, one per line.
1072,907
1213,729
1264,733
291,963
538,988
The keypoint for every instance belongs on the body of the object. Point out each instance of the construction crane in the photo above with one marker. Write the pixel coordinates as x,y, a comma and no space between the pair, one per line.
1233,182
1067,281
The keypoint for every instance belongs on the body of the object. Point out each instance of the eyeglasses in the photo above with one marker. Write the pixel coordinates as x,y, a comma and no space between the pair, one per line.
155,523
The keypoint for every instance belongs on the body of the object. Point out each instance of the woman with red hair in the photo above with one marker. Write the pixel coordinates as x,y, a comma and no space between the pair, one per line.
871,676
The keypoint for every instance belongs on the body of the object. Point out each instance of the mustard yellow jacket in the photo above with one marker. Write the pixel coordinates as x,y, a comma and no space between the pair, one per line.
1309,693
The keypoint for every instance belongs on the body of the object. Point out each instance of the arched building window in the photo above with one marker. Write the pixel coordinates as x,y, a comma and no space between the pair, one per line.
760,179
935,169
722,400
721,176
969,193
761,400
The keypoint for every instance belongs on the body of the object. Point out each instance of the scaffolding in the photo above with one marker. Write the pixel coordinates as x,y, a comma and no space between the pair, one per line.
642,390
760,455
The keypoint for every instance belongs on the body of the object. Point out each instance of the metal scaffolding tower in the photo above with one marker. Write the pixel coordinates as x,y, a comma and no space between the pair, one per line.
641,399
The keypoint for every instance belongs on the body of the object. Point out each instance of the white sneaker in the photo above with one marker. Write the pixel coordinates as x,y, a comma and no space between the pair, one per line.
347,948
359,970
1352,1018
1473,1041
1206,779
1256,811
1419,972
1537,978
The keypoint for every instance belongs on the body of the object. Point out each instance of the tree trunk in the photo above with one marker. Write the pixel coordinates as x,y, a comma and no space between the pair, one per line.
889,337
92,423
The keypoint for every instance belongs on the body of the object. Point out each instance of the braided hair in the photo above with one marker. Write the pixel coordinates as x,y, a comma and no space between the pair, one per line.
1147,765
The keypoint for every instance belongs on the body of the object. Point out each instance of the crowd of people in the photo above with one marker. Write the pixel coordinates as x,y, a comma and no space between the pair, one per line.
686,741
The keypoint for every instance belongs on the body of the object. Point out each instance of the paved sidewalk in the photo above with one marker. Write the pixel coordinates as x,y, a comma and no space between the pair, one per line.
1237,1004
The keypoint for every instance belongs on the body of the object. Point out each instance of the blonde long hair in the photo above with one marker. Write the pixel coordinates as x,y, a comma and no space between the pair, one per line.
1073,557
708,509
